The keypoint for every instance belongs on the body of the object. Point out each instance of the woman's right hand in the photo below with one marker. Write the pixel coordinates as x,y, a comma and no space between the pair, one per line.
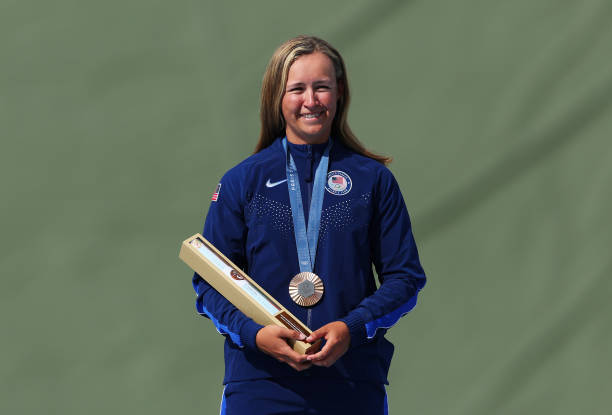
272,340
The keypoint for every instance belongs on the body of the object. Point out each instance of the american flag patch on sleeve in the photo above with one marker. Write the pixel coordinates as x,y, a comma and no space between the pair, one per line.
215,195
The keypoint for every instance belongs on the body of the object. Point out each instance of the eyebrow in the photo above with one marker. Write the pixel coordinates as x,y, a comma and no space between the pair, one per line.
295,84
317,82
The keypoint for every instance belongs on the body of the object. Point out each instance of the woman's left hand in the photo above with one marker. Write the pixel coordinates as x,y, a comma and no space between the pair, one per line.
337,341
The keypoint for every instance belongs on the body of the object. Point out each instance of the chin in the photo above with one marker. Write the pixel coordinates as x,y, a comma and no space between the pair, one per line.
315,135
314,131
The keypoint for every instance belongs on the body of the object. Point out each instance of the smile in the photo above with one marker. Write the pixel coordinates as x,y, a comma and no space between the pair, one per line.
313,115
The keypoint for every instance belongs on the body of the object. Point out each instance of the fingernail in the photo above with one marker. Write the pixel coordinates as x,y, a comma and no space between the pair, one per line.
302,337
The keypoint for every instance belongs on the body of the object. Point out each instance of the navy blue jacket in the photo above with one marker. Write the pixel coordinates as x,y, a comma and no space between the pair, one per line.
364,222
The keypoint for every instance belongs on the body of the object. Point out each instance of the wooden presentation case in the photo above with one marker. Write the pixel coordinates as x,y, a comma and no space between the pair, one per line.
239,289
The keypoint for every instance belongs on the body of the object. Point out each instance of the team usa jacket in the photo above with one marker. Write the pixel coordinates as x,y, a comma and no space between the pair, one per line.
364,222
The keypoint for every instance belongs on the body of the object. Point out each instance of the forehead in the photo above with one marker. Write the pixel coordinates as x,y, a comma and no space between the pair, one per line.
311,66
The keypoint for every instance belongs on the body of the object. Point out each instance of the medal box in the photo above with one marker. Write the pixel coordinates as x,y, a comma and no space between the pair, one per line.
240,290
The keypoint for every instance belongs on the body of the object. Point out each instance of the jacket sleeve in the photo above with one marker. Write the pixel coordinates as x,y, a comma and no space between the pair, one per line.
395,257
226,230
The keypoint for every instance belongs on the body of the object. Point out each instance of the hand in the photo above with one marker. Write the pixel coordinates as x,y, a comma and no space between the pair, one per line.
337,341
272,340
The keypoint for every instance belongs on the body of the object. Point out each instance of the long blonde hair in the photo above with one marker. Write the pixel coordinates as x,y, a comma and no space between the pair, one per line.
273,89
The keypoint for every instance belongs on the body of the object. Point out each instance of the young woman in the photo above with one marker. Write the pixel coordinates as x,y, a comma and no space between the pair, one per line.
306,217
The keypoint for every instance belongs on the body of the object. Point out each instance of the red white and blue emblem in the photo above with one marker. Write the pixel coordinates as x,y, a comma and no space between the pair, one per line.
215,195
338,183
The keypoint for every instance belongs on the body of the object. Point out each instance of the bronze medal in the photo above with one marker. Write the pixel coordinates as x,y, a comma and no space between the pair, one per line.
306,289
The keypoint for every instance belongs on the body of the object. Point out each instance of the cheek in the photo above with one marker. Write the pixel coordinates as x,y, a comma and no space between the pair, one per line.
289,106
331,102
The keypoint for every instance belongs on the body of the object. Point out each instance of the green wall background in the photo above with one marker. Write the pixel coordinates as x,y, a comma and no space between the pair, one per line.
118,118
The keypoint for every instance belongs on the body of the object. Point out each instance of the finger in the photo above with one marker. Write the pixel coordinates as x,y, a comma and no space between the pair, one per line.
327,360
293,364
296,357
291,334
300,366
291,355
322,354
285,359
316,335
325,363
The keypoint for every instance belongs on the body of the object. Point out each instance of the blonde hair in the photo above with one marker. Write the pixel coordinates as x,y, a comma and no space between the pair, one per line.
273,89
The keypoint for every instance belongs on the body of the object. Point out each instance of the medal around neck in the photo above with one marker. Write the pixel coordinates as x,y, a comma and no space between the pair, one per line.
240,290
306,289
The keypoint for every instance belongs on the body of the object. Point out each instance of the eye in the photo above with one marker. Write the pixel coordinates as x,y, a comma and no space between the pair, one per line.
295,89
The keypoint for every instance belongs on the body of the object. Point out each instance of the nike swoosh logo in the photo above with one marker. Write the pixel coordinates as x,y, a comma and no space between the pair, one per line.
270,184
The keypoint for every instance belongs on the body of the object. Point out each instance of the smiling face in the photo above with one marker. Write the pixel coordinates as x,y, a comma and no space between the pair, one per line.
310,99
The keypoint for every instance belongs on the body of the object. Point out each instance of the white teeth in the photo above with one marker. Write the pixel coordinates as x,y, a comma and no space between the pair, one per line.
311,116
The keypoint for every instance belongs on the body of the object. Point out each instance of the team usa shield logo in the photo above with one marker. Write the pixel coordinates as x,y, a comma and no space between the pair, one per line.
338,183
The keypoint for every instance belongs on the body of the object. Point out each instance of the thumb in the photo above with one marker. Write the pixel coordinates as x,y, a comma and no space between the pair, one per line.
292,334
317,334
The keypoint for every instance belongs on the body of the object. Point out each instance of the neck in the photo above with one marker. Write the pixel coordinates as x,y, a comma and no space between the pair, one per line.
299,140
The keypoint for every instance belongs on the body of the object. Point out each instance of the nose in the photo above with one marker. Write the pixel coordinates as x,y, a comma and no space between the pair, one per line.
310,98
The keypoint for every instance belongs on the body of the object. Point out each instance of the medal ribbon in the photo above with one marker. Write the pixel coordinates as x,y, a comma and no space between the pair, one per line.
306,239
